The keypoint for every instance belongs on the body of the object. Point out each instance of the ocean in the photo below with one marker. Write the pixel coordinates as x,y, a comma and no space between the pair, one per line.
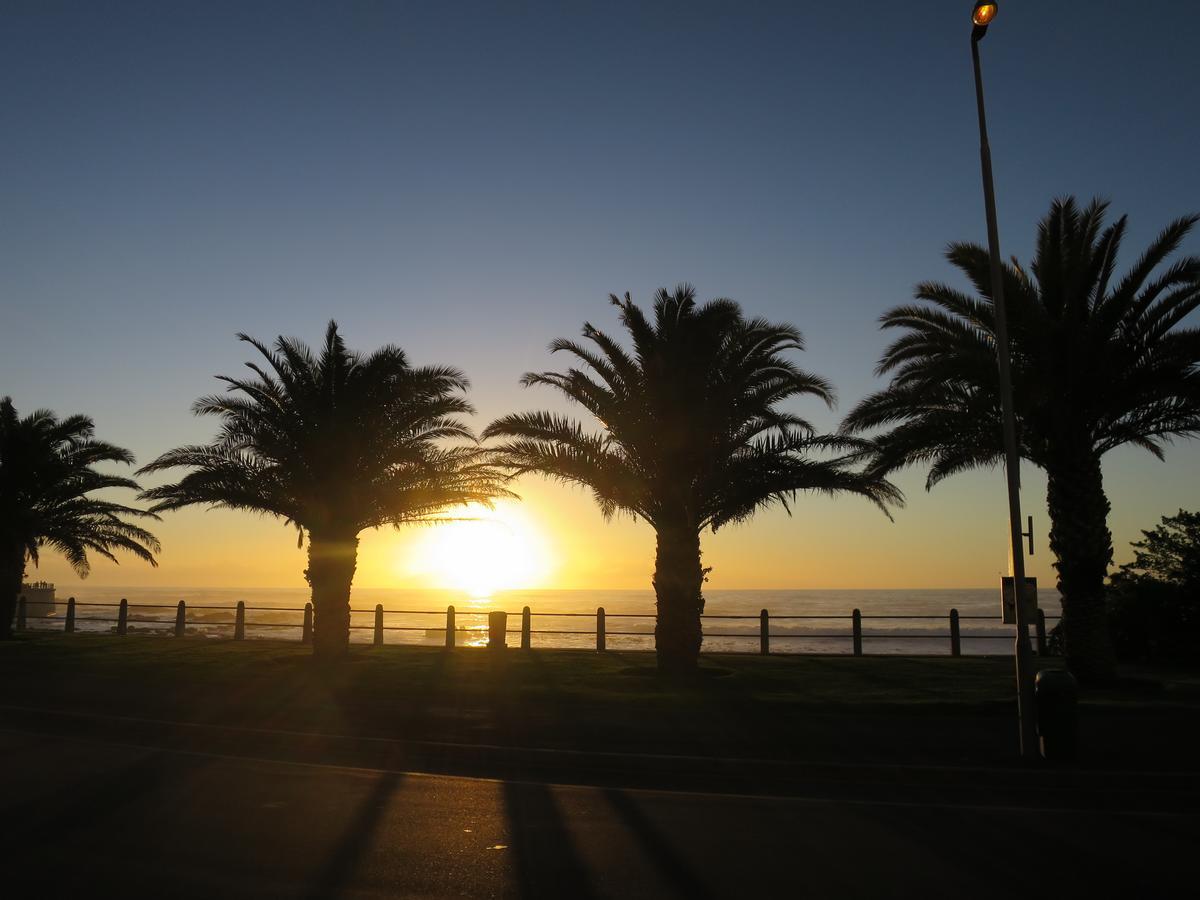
801,621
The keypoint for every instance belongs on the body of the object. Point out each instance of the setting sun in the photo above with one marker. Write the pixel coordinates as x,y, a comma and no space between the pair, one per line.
481,551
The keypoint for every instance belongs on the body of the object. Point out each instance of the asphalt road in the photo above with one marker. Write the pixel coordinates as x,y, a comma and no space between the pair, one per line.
86,817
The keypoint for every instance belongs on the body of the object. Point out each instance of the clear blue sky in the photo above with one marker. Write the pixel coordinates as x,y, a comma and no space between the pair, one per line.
471,180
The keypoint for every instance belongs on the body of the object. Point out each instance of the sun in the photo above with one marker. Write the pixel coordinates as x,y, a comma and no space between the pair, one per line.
481,551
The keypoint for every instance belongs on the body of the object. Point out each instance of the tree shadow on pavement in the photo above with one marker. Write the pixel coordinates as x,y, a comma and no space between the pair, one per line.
547,863
338,869
82,805
658,850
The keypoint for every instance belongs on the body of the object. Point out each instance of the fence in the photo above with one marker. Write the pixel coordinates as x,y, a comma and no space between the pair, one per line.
497,628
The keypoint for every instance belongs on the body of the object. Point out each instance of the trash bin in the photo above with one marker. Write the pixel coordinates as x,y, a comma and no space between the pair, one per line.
1057,698
497,629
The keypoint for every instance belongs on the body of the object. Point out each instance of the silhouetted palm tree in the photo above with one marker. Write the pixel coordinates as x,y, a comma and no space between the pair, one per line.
46,477
334,444
1097,362
690,437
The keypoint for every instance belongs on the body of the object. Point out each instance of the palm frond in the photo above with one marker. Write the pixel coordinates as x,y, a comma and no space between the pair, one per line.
334,440
1090,366
687,424
48,487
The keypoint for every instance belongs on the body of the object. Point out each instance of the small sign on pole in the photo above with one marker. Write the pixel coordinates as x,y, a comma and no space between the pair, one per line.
1030,601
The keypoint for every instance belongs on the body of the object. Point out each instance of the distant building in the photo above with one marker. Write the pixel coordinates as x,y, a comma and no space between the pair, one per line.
39,599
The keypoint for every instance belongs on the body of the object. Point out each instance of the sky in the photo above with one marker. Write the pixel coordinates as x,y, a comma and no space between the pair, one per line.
470,181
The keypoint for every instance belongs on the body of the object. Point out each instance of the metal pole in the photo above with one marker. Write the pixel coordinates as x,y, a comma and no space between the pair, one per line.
1012,461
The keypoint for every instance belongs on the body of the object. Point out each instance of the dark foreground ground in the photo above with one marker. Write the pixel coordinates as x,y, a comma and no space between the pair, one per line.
156,767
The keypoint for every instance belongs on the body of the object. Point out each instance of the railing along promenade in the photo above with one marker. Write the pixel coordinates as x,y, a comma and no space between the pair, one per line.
859,637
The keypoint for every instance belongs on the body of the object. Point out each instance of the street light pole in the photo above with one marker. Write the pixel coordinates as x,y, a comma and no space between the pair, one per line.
983,15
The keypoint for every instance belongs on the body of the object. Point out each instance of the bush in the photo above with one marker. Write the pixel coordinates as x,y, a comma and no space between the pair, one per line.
1152,619
1154,601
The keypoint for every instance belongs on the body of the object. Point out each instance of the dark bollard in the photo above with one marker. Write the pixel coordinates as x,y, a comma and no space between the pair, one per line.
21,606
1041,632
69,625
497,629
764,633
601,632
306,629
856,619
449,626
180,619
378,624
955,639
1057,695
123,617
239,622
525,628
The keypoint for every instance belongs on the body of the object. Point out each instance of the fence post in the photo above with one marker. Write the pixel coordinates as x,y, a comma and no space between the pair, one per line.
856,616
378,624
601,632
764,633
306,630
69,625
449,626
239,622
1041,632
180,619
123,617
955,640
525,628
21,613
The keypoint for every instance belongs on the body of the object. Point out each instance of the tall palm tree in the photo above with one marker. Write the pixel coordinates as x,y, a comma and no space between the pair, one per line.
1097,362
47,475
690,437
333,444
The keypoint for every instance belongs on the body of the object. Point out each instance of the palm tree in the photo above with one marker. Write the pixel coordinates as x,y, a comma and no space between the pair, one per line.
1097,362
690,437
333,444
46,479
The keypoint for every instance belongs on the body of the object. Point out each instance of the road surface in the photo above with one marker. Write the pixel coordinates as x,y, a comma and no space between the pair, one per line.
103,817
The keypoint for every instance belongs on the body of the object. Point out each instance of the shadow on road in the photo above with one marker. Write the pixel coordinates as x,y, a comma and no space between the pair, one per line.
337,872
83,805
547,863
658,850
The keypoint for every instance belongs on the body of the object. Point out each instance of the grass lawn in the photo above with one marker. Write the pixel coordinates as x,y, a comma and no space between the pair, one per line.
878,708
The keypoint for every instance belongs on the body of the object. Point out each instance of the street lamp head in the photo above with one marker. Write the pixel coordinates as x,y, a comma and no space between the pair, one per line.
984,13
982,17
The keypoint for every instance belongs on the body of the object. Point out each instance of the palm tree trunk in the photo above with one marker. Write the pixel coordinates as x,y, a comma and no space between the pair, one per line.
331,562
677,588
12,575
1082,545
